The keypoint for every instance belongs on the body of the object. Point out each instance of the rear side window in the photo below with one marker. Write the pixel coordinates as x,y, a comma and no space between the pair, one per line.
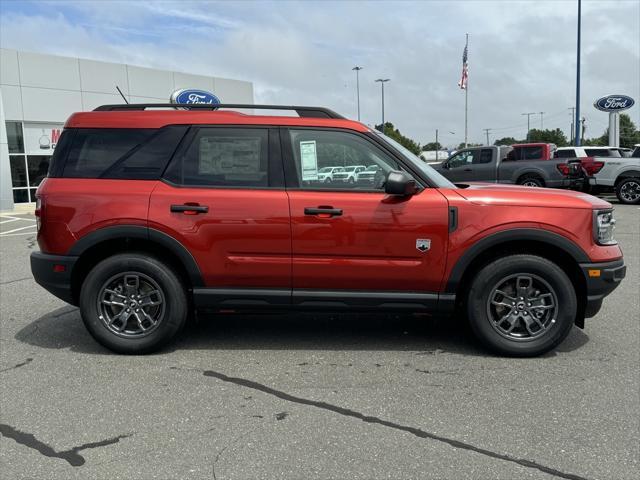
601,152
224,157
569,153
530,153
95,151
486,155
116,153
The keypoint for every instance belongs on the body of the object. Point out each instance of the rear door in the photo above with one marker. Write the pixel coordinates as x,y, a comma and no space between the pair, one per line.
223,197
483,165
352,241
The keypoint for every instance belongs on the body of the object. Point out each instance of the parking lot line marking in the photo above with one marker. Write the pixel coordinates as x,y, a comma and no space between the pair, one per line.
10,220
17,218
386,423
17,234
17,229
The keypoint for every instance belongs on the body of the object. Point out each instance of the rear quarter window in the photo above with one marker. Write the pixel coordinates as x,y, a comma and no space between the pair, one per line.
133,154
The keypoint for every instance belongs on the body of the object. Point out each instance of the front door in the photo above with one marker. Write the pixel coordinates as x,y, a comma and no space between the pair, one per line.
223,198
354,237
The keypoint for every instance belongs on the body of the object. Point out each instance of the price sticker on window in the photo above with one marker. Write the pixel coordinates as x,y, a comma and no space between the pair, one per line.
309,160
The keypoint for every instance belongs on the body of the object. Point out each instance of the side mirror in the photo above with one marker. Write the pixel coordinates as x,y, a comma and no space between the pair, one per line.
444,165
400,183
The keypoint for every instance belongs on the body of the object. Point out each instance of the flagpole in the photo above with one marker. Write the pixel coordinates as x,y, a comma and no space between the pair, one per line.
466,94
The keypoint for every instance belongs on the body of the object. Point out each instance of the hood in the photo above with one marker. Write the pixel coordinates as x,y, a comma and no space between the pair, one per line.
515,195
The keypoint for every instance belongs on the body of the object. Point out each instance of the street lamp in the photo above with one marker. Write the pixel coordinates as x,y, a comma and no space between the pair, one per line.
357,69
382,82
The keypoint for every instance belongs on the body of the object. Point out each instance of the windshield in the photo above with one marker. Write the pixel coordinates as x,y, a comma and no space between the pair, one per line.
325,170
436,178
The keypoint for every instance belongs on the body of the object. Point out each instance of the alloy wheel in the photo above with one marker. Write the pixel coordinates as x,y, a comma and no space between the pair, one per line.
522,307
630,191
131,304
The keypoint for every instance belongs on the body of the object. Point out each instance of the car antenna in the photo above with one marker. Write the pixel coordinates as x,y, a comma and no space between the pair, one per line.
122,94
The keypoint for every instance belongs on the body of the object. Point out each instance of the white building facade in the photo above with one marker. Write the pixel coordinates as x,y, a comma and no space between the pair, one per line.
38,93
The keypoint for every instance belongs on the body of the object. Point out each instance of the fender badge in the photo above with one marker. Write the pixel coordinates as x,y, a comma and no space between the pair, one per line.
423,244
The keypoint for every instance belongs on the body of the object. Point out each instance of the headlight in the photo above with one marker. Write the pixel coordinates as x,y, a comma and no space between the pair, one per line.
603,226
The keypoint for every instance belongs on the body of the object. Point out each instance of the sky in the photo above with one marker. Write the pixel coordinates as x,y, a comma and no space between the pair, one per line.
522,54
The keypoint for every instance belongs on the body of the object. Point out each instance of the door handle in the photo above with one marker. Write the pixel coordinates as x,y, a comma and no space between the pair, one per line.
324,211
468,170
189,209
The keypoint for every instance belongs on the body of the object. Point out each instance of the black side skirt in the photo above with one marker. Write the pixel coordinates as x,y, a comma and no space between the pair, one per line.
303,299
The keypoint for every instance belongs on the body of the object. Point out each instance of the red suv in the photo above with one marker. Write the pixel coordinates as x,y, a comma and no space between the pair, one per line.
149,214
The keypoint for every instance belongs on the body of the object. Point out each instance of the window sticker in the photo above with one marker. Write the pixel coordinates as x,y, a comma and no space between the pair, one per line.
309,160
229,156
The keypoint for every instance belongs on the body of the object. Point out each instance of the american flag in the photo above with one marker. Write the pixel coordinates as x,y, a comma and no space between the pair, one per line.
465,69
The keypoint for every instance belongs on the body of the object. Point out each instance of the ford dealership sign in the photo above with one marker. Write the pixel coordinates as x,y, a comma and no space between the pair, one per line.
614,103
191,95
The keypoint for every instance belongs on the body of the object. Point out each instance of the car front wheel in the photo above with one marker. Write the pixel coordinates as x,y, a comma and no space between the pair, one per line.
521,305
628,191
133,303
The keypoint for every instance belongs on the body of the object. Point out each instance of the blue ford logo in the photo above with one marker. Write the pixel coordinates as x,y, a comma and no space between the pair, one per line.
190,95
614,103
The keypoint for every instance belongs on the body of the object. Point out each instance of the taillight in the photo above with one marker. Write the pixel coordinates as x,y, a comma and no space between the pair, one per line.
38,212
563,168
591,166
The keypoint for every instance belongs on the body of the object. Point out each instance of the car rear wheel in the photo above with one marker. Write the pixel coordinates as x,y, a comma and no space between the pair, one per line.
521,305
628,191
133,303
531,181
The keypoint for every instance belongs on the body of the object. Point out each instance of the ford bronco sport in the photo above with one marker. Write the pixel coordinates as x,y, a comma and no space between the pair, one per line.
150,214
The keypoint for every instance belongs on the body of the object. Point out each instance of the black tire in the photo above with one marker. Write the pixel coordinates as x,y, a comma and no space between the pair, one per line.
543,274
628,191
531,181
171,303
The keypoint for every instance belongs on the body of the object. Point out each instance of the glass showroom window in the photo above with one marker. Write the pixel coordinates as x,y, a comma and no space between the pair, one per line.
27,171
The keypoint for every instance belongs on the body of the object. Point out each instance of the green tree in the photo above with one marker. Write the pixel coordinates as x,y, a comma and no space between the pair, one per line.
394,133
629,134
431,146
506,141
556,136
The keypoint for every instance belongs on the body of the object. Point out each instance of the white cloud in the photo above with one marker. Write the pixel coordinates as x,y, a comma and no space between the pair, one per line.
522,54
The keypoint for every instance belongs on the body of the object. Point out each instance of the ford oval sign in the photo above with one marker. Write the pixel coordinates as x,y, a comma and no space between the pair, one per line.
614,103
190,96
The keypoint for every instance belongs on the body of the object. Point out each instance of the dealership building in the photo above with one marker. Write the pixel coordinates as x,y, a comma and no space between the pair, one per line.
39,92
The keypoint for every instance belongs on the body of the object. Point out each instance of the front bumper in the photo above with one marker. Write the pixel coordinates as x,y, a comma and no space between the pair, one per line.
53,272
602,279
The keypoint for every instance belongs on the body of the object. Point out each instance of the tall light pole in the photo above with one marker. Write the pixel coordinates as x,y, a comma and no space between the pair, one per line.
528,124
577,122
357,69
382,82
541,121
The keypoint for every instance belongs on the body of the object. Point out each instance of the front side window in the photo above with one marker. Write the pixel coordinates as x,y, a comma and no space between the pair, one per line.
357,164
224,157
461,159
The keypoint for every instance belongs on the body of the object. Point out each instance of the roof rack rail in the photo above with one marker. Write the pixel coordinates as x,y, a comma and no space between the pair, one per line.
308,112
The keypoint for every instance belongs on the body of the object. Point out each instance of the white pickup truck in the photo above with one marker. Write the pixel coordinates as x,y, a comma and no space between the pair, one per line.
608,170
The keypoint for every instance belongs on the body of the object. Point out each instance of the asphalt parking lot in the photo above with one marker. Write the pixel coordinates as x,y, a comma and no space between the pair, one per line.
313,397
